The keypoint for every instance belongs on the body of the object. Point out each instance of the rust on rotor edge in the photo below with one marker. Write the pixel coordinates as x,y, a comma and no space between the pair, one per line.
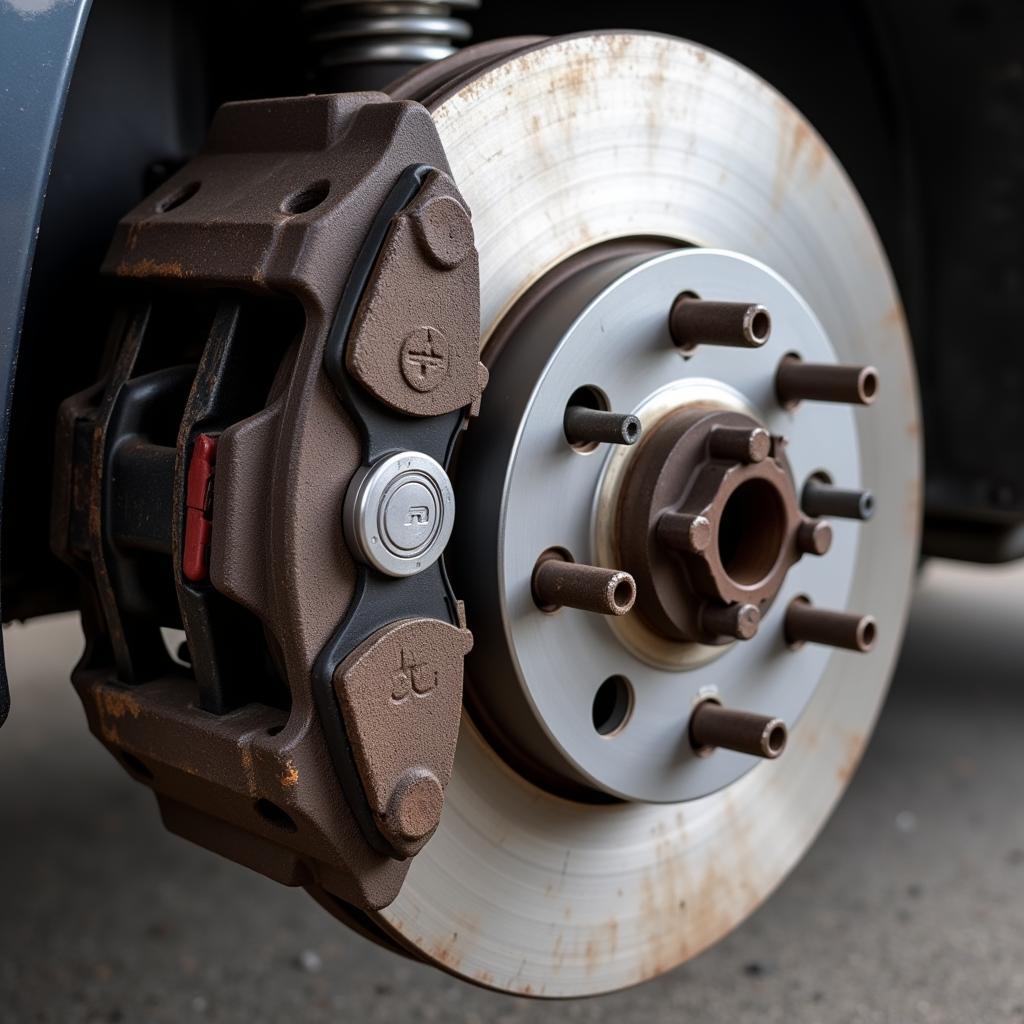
277,204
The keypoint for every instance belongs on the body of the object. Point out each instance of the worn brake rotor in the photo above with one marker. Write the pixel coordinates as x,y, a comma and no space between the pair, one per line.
549,875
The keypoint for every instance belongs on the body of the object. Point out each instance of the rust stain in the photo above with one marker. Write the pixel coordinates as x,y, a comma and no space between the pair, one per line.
118,703
446,953
894,316
853,747
249,768
114,705
290,775
152,268
801,156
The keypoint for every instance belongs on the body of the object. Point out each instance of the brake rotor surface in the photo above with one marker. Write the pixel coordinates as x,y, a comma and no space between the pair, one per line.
557,148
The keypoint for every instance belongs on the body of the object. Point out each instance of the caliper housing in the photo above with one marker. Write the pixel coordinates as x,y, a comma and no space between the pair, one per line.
296,307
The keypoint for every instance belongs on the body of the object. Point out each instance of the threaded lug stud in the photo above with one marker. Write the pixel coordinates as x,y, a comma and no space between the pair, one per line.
806,624
695,321
822,499
796,381
712,726
584,426
558,583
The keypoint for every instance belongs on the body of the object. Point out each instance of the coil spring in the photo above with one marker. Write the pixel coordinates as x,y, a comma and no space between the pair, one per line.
343,33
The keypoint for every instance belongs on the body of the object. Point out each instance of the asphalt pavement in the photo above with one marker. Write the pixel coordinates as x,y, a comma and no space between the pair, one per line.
910,907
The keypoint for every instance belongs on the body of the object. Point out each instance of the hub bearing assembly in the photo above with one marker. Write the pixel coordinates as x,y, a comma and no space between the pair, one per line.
682,517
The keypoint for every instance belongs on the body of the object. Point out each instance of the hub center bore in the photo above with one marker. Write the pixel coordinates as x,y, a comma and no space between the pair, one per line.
709,525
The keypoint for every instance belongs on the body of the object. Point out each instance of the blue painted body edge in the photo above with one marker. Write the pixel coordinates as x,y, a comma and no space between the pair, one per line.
38,48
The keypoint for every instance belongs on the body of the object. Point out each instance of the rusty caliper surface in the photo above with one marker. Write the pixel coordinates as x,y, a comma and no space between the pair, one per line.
299,302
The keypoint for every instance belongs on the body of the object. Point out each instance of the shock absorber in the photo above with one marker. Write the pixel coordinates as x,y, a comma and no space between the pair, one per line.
364,44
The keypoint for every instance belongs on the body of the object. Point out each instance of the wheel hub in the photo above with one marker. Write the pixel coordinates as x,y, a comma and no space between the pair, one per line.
717,469
709,532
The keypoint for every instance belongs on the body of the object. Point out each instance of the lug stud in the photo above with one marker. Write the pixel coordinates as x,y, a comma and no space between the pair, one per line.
685,533
822,499
807,624
712,725
695,321
740,444
558,583
796,380
814,537
737,620
595,426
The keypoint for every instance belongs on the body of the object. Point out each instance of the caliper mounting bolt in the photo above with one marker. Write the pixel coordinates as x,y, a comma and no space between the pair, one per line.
694,321
560,583
796,380
712,725
806,624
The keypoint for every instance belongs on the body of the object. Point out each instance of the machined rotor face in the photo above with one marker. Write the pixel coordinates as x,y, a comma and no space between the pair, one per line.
618,138
546,678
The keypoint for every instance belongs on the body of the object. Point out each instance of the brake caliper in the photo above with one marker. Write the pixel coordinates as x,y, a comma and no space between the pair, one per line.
264,464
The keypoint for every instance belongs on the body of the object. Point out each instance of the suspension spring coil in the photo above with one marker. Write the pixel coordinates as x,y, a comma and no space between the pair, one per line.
366,43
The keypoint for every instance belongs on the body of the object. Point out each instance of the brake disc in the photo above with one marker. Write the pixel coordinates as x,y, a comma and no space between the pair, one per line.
606,173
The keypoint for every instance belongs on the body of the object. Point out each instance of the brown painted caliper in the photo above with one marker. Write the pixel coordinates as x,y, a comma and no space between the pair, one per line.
298,306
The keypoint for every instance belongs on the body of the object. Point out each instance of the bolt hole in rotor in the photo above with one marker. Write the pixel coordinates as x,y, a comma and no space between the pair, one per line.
178,197
751,532
612,706
307,198
274,815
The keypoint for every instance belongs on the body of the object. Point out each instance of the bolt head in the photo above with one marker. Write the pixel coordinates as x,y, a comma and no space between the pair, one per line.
699,534
815,537
415,806
760,445
748,618
445,231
